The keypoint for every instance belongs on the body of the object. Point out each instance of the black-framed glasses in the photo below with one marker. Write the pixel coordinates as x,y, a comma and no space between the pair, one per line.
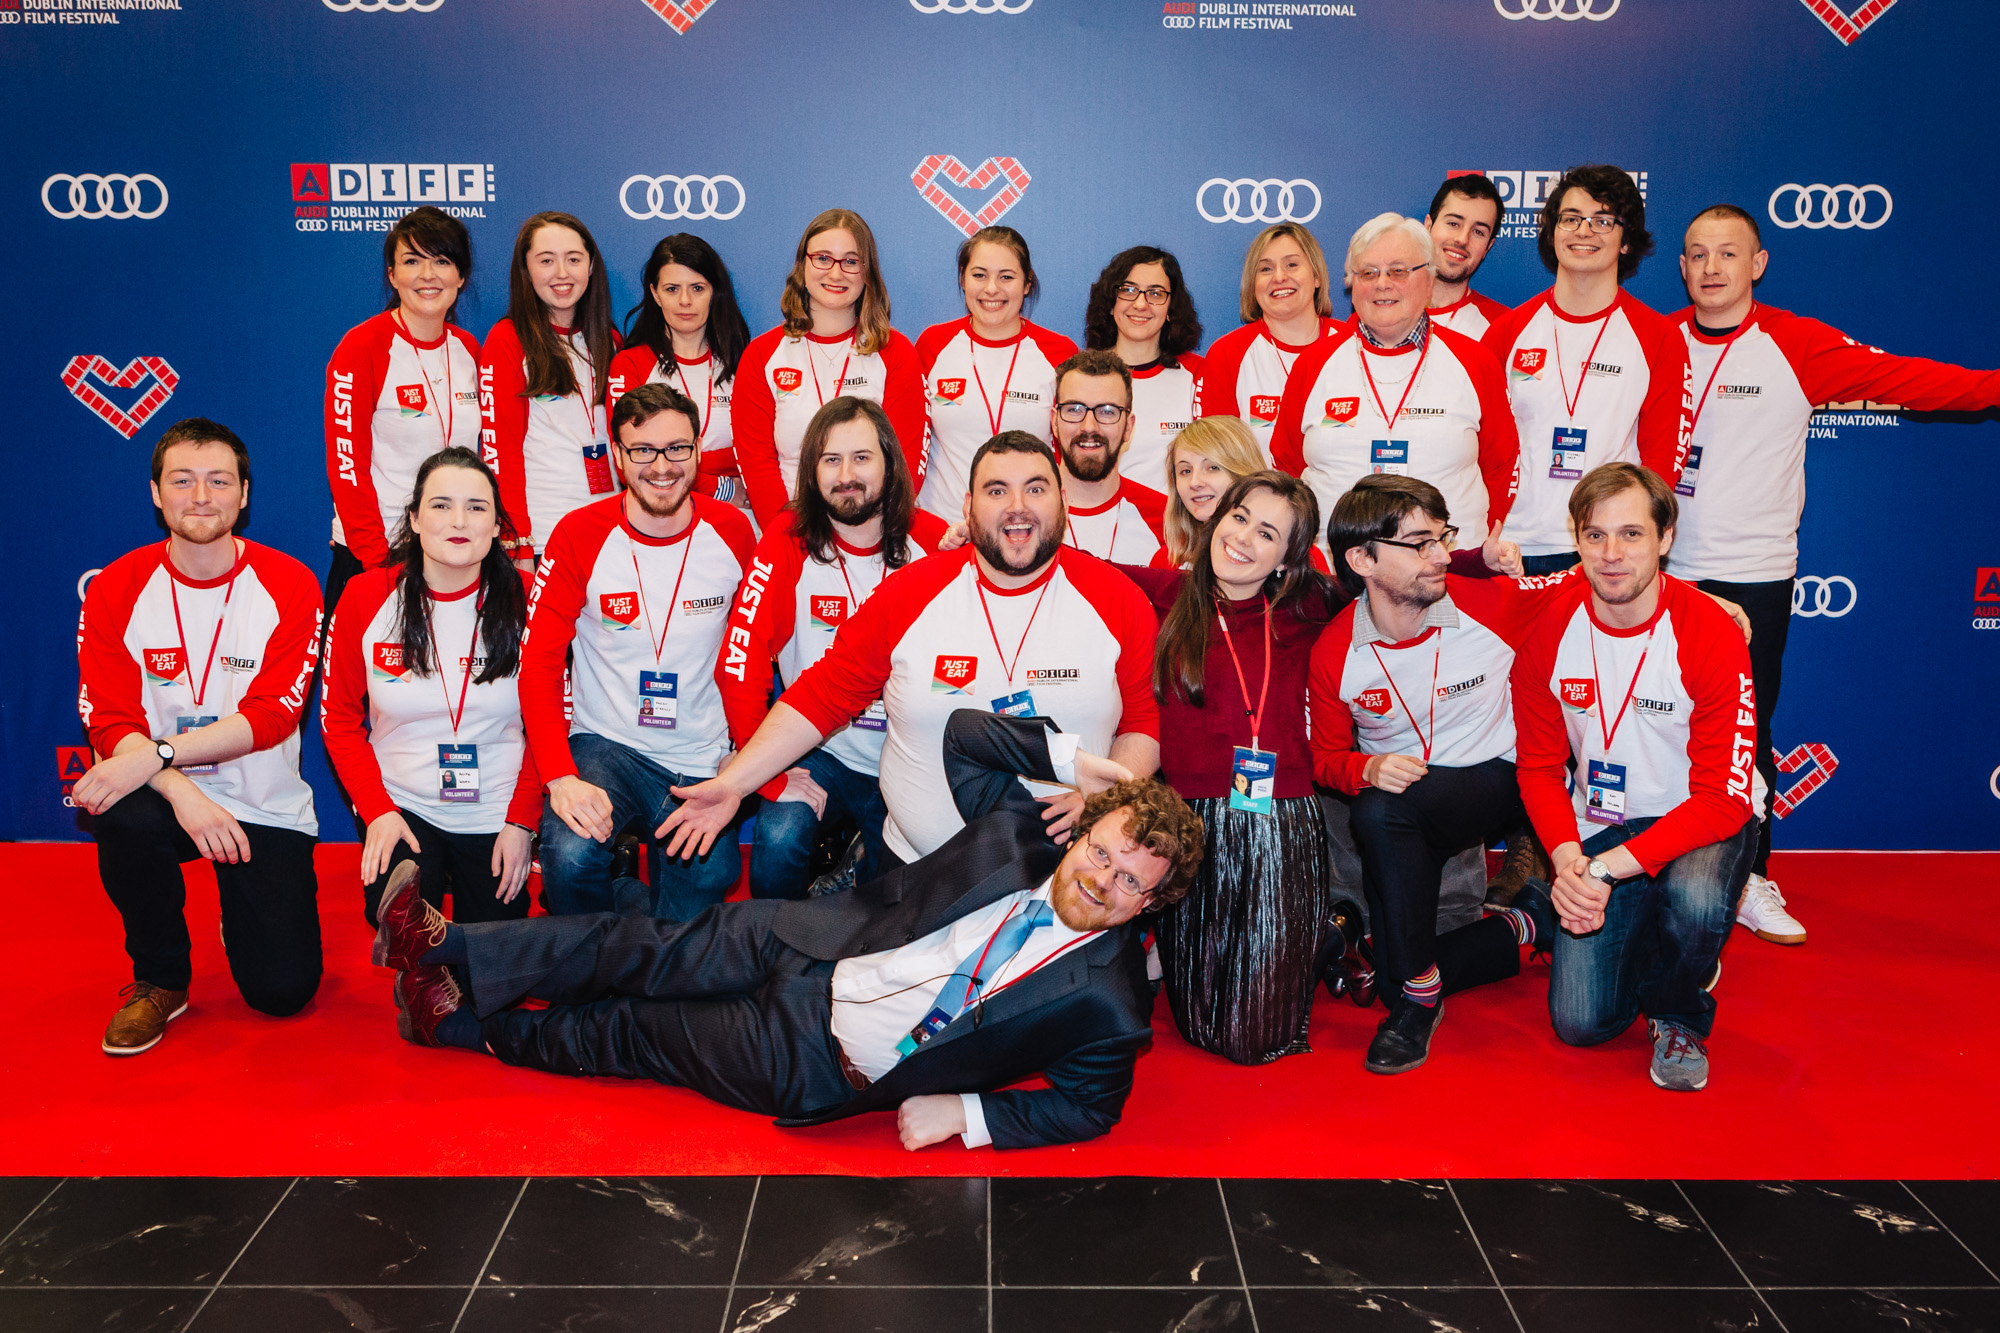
1423,548
1599,222
1107,414
823,260
644,454
1127,291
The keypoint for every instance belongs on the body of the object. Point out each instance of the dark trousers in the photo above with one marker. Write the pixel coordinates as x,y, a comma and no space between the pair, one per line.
1769,606
1405,839
341,566
1535,566
270,903
457,863
717,1004
781,849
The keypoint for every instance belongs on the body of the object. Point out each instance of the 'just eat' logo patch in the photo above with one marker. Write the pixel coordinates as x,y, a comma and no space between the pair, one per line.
410,397
953,675
1530,362
162,665
386,660
786,379
950,391
1340,411
1375,701
1578,694
1264,406
620,609
829,612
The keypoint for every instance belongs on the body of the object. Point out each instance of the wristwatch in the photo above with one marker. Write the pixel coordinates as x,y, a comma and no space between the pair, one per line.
1600,871
166,753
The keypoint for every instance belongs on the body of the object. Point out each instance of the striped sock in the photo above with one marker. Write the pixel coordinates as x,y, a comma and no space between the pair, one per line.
1426,989
1524,925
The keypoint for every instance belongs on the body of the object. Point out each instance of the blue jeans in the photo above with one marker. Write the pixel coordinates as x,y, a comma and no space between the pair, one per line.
576,872
1659,942
781,848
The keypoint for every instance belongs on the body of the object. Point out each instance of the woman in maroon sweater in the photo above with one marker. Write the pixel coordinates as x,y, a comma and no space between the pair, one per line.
1242,951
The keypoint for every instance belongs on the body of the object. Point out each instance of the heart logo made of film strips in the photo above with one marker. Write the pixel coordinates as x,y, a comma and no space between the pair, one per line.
77,376
925,178
1844,25
1819,763
680,14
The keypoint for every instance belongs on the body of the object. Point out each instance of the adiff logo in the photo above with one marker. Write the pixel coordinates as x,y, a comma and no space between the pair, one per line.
620,609
162,665
1986,597
1375,701
72,762
1578,694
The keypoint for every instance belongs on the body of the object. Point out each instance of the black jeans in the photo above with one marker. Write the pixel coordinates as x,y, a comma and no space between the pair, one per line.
1405,839
458,863
270,903
1769,606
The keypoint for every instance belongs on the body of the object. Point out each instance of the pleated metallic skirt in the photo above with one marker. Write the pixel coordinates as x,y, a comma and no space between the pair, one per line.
1241,952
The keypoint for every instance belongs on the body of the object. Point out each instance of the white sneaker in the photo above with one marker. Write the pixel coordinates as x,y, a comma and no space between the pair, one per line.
1762,912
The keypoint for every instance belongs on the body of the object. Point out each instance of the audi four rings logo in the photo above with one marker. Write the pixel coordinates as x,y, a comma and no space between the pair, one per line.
683,204
1815,596
970,6
1820,206
1569,11
380,6
1246,200
112,196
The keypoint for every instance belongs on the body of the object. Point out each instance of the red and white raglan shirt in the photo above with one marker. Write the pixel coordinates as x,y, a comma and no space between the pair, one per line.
642,365
1076,645
784,378
1661,721
786,615
1608,387
1244,374
552,453
640,620
1434,408
1164,400
392,402
159,654
397,738
1445,696
1127,529
974,389
1470,315
1744,487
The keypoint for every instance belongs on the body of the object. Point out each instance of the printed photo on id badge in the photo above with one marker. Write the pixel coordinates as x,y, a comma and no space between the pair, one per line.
1253,774
1604,793
458,772
659,699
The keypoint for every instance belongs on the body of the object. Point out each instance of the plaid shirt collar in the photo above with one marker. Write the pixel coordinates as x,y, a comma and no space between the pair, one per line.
1414,338
1440,614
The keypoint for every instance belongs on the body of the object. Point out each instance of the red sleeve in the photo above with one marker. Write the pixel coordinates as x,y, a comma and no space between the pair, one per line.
1319,561
753,418
1130,618
343,697
1056,349
353,386
1336,763
932,342
761,621
1541,744
503,411
1215,396
1666,418
926,531
1833,368
1288,441
526,807
629,369
903,401
1722,733
1499,438
110,697
1152,506
854,670
561,581
1161,560
1499,337
1492,309
275,703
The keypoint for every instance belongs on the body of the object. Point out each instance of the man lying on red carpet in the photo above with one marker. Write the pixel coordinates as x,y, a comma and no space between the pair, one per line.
998,956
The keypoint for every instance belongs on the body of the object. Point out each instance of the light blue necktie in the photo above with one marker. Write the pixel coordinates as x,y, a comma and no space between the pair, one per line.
965,982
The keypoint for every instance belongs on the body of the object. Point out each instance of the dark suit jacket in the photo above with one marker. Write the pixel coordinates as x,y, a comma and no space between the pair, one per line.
1080,1021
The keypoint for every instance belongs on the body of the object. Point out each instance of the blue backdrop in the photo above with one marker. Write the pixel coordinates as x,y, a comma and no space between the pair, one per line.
230,291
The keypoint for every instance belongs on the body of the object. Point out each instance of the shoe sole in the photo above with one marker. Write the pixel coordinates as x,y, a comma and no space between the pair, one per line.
1658,1082
1395,1069
398,885
109,1049
1774,937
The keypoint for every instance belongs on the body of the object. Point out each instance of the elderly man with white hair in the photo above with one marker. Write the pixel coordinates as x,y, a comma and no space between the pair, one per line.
1398,394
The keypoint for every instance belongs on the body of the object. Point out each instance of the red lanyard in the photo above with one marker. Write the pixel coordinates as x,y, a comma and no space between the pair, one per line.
449,410
1718,368
1386,414
1022,646
1570,403
812,364
708,407
1422,739
1630,690
471,651
971,999
1263,691
660,644
855,602
173,591
992,417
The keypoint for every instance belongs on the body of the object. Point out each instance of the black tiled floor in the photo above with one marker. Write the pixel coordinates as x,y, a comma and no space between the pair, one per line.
1014,1255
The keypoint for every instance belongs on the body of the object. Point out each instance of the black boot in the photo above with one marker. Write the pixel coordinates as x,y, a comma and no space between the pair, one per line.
1403,1041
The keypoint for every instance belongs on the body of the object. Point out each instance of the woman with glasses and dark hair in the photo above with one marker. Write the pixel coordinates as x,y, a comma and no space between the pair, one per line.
401,386
421,715
835,340
687,331
989,372
1286,301
1142,310
546,365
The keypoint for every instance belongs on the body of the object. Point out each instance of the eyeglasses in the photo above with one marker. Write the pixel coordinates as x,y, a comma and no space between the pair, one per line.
644,454
1396,273
1107,414
823,260
1425,546
1599,223
1124,881
1126,291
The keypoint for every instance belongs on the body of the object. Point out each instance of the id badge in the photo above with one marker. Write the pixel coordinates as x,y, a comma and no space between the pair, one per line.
936,1021
1252,775
1390,457
1021,704
876,718
182,726
1604,793
597,467
659,699
1566,457
1690,474
458,772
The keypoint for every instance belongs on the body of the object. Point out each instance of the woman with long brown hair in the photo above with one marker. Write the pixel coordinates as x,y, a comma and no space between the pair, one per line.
836,339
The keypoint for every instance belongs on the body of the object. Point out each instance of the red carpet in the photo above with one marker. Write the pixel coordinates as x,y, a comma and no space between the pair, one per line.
1864,1054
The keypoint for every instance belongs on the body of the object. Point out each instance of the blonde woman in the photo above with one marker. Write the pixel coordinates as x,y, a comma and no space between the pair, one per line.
1203,462
1286,301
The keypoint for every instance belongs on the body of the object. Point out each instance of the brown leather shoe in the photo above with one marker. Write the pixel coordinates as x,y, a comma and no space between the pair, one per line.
424,996
1524,862
142,1020
410,926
